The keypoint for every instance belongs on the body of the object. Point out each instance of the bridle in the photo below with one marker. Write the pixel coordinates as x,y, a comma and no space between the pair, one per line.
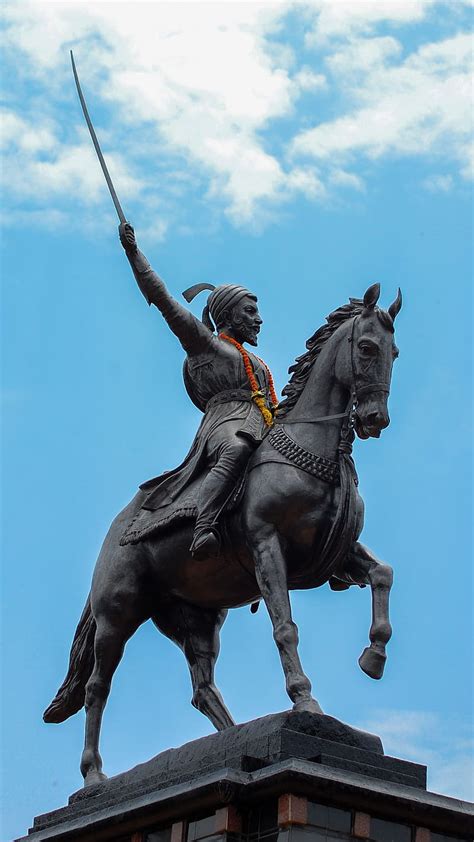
355,393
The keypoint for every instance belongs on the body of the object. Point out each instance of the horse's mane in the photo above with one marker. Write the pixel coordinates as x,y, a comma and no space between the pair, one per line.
301,368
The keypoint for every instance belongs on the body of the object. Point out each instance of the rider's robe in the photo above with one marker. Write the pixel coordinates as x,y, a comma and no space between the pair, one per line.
215,379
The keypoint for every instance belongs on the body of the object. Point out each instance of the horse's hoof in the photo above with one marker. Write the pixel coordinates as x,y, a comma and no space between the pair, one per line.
93,778
308,706
372,662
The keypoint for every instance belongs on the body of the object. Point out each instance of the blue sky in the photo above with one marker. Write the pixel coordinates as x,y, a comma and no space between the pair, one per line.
307,151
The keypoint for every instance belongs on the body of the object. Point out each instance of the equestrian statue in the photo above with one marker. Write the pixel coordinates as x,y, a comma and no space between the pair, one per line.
265,502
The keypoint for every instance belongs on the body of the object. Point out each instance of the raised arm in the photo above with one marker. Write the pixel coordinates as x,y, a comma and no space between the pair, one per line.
191,332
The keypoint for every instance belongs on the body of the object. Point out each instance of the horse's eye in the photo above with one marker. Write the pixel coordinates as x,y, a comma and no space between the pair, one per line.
367,348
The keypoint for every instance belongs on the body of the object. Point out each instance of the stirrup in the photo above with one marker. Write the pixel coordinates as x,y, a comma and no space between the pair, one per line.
206,544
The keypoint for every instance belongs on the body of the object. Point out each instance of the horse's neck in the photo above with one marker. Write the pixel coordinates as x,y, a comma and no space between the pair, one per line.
321,396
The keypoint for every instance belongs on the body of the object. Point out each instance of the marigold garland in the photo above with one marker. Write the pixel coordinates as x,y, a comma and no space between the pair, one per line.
257,395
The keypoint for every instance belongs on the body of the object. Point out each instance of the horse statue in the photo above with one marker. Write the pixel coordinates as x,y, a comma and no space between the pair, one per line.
295,525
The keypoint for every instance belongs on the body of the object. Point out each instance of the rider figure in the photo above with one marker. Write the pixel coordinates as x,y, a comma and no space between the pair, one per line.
219,380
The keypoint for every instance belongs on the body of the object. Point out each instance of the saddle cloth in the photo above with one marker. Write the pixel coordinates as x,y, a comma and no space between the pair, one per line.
147,523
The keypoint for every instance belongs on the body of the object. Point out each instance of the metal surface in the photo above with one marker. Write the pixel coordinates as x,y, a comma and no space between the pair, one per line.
93,135
291,528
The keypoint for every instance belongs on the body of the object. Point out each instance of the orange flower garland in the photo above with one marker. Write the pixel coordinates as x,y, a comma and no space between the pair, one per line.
257,395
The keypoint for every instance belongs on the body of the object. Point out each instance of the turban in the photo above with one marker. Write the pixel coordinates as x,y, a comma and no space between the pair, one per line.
222,297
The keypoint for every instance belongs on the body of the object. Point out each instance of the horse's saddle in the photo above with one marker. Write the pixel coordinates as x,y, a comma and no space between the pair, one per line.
147,522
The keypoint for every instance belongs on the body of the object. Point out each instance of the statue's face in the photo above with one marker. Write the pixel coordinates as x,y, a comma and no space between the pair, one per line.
245,320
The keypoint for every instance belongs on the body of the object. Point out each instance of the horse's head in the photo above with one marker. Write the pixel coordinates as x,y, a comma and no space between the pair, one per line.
364,364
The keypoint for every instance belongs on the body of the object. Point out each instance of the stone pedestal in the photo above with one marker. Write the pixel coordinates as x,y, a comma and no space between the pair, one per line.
288,777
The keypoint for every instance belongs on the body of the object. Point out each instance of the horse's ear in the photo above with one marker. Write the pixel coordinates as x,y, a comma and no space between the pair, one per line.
371,296
395,308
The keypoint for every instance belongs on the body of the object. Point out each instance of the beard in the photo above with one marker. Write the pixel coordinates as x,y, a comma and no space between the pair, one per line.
250,335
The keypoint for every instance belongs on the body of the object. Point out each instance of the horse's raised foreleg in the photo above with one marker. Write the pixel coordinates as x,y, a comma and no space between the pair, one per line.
110,638
196,631
270,571
380,577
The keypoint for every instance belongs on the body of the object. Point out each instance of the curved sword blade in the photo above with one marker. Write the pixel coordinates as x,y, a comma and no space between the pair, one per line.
115,200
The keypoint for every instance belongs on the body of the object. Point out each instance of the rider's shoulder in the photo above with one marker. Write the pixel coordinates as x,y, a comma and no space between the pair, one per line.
203,354
210,344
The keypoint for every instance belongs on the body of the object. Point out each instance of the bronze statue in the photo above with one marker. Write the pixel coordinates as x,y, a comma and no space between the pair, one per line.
292,522
274,500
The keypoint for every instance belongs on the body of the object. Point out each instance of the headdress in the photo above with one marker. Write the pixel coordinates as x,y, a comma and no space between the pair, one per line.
221,298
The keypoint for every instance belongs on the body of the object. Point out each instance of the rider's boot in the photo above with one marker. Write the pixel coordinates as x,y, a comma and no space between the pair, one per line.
214,493
206,543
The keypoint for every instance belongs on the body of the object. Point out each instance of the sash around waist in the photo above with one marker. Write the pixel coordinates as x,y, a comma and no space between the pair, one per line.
227,396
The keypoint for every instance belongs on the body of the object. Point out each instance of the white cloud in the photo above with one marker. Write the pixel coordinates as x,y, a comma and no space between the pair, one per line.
306,180
307,80
155,231
361,56
346,179
468,155
343,18
49,218
421,736
418,106
29,138
200,79
439,183
191,91
37,165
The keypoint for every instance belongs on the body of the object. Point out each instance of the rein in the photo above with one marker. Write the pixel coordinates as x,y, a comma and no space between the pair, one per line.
313,420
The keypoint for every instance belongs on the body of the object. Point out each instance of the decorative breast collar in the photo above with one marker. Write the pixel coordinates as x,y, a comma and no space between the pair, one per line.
318,466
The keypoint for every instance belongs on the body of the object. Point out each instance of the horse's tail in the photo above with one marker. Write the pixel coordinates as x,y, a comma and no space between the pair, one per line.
70,696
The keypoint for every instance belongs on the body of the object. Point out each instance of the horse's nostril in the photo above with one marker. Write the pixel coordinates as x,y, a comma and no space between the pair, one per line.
377,419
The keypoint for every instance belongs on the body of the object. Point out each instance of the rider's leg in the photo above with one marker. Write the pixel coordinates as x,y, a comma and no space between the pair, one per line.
228,453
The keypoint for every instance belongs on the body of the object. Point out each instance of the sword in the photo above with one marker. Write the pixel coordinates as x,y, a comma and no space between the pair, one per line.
102,163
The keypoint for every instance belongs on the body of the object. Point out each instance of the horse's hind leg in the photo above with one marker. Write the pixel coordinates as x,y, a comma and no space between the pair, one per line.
111,635
380,578
196,631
